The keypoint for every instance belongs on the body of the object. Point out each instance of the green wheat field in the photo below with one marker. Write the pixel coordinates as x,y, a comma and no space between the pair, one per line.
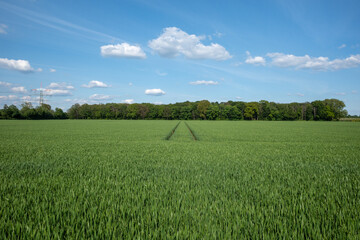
105,179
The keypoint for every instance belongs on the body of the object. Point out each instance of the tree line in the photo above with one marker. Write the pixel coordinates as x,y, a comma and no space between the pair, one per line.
328,109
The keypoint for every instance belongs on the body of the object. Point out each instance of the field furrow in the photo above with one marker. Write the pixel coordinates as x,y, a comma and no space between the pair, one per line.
182,134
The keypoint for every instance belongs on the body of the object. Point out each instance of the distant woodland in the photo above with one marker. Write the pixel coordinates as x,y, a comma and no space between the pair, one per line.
327,110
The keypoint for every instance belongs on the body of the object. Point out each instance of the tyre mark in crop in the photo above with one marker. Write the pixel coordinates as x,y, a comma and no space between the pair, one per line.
172,132
192,133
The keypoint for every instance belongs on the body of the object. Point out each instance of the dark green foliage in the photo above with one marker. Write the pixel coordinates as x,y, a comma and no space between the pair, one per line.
10,112
59,114
328,109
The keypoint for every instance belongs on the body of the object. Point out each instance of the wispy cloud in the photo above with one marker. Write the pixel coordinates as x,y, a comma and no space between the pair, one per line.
58,24
314,63
9,97
100,97
236,64
203,82
296,94
5,84
12,97
52,70
342,46
19,89
340,93
61,85
161,73
77,100
57,92
218,34
3,28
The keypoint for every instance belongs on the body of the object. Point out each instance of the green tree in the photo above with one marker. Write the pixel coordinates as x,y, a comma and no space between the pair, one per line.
143,110
202,108
74,111
264,110
27,111
11,112
336,107
132,111
185,112
251,111
318,110
44,111
59,114
212,112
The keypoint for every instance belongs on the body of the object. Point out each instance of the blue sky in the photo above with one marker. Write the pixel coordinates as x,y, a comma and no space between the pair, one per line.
174,51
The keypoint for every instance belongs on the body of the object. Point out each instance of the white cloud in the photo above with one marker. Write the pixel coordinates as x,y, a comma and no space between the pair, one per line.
129,101
299,94
39,70
157,103
342,46
12,97
340,94
354,92
99,97
173,42
26,98
255,60
76,100
203,82
3,28
19,89
5,84
314,63
52,70
61,85
57,92
95,84
123,50
154,92
239,98
79,101
130,84
17,65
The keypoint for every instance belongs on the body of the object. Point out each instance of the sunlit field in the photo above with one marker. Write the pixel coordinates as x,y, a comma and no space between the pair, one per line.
157,179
